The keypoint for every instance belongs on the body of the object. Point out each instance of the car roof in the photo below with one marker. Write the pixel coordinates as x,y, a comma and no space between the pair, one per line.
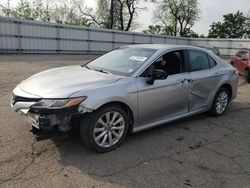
163,46
244,49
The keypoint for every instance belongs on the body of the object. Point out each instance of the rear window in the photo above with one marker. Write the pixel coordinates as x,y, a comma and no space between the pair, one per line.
245,55
242,54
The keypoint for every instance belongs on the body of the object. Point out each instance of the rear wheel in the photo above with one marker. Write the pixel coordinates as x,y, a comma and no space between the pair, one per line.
105,129
220,102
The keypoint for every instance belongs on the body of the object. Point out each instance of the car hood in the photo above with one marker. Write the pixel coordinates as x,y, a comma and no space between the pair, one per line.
64,81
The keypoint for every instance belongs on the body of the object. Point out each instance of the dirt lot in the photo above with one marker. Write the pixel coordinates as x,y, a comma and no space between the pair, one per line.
199,152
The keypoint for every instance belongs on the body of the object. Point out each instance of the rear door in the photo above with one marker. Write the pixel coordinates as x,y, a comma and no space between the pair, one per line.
205,78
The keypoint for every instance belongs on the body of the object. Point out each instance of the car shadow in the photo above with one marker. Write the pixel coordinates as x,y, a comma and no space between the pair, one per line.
139,148
122,166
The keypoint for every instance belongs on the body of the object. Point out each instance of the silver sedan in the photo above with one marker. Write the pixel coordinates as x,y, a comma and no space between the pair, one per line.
126,90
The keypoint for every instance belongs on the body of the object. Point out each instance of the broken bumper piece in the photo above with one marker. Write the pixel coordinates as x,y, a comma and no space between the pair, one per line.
41,134
48,122
51,125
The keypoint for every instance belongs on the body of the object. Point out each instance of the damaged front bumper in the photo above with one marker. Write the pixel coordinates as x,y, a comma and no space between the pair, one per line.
52,124
48,122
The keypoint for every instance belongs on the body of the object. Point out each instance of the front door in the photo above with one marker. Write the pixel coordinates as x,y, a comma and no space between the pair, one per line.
165,98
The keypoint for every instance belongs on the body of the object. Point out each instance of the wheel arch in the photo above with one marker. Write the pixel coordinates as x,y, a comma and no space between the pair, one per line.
126,107
228,87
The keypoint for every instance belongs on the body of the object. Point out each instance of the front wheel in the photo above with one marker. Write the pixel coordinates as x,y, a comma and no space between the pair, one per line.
105,129
220,102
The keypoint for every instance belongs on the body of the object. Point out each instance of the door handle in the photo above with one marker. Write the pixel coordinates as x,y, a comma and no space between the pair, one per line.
216,74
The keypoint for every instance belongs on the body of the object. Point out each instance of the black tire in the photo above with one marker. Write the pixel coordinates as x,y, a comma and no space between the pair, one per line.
89,122
247,74
213,110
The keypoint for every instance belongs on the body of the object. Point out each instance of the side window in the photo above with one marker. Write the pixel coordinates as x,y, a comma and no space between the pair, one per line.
198,60
171,62
212,62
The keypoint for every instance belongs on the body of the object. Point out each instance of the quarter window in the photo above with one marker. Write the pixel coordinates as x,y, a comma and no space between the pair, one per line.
198,60
212,62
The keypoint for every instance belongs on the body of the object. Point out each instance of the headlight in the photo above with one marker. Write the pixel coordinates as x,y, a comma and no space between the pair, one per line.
58,103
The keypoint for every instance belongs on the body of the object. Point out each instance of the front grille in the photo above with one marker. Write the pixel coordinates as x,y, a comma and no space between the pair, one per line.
16,98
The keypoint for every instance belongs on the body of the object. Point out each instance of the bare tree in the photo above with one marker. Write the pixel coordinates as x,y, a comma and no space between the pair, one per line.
60,11
177,16
114,14
111,14
97,18
5,9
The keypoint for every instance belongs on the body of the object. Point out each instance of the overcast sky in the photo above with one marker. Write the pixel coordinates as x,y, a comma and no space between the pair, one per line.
211,11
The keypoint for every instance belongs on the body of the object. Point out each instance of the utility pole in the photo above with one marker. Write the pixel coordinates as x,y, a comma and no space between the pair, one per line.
8,5
111,14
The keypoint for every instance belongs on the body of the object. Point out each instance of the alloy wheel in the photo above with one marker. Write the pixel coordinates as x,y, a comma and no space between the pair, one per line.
221,102
109,129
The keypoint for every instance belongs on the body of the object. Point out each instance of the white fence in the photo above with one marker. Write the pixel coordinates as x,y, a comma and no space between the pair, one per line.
25,36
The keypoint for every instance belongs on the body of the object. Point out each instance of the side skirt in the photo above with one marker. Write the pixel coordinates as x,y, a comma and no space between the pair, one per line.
168,120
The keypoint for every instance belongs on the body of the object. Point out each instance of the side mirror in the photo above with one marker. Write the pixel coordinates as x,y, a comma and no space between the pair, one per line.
156,75
150,80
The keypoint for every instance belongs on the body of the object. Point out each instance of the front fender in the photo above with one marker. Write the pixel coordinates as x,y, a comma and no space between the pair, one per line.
123,91
95,104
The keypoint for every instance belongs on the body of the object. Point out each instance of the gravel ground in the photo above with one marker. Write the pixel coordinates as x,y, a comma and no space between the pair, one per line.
202,151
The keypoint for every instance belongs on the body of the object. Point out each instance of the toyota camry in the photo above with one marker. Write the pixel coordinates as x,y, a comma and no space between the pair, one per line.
126,90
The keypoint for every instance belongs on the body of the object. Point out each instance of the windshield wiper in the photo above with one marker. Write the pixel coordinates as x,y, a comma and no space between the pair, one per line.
87,67
99,70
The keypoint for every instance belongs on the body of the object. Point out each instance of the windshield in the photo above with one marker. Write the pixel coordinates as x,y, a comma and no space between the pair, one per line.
123,61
